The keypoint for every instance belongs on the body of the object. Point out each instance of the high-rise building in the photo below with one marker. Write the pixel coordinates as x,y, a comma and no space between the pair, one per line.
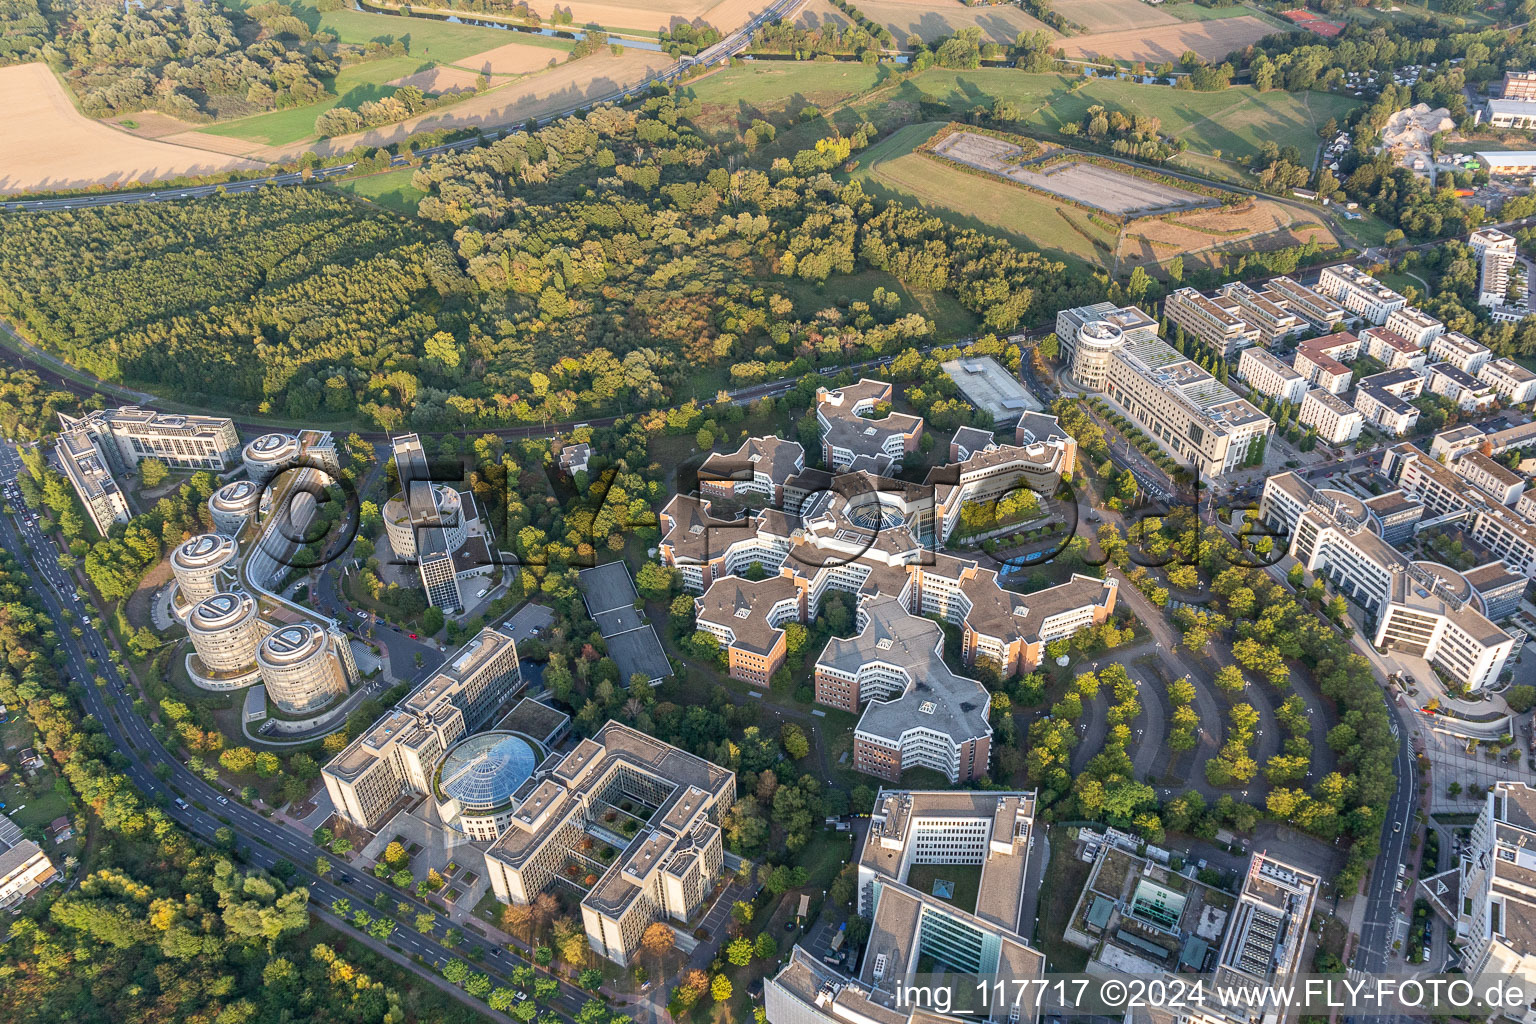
204,566
225,630
304,666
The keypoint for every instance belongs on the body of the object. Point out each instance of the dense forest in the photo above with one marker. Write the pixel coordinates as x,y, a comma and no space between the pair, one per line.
597,265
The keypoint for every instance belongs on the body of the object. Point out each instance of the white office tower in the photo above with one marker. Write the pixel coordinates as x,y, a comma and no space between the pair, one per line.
269,455
233,506
302,667
1089,335
225,630
203,565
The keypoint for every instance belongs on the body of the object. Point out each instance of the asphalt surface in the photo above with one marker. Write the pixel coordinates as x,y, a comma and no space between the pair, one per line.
259,842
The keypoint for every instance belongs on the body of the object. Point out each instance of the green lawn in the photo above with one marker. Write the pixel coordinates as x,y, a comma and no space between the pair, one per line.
890,168
392,189
1198,12
966,878
351,88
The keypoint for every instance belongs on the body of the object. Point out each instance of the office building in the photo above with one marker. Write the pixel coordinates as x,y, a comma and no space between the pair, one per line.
1090,334
399,754
1519,85
1519,163
1261,371
1495,915
1391,349
991,388
437,527
1267,930
203,566
233,506
1468,392
24,868
1508,113
1360,293
269,455
1508,535
1335,420
86,468
664,873
1415,325
760,467
1422,609
1514,384
1197,418
916,712
128,435
304,667
225,630
1217,323
1384,400
910,927
1322,361
852,437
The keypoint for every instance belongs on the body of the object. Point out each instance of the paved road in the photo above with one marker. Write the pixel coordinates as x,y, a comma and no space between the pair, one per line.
259,842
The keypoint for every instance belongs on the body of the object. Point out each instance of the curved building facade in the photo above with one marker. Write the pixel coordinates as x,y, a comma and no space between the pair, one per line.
200,563
234,505
225,633
269,455
477,779
445,519
1096,342
299,668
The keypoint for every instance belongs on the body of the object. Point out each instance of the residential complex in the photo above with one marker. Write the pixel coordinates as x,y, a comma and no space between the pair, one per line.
1322,361
1415,325
1422,609
911,930
1513,383
1261,371
1383,399
1269,311
1460,351
664,870
1492,894
1335,420
1360,293
1470,393
1392,349
1217,322
399,754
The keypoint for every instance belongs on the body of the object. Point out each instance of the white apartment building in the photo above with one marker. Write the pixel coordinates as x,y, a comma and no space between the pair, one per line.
1360,293
1421,609
1492,478
1415,325
1496,253
1320,312
1468,392
1265,310
1392,349
1218,323
1260,370
1383,399
1322,361
1514,384
1495,916
1460,351
1335,420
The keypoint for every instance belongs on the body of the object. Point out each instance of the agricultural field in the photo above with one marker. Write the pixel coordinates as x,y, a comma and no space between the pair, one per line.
390,189
51,145
1113,15
425,39
1212,40
893,169
1254,226
933,19
507,60
351,88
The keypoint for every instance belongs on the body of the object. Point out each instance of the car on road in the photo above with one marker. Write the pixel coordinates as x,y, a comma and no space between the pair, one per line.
413,636
182,804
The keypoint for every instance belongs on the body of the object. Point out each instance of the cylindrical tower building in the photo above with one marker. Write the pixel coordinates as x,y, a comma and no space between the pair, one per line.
225,632
234,505
269,455
199,563
299,668
450,522
1096,342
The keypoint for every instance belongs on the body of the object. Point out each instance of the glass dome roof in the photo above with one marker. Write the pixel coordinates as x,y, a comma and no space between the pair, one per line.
485,770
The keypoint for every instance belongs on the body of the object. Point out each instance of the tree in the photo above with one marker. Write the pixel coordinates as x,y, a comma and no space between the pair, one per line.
657,940
455,970
152,472
765,948
795,743
720,988
739,952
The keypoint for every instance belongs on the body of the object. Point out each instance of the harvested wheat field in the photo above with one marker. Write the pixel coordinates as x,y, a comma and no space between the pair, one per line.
580,82
653,15
1112,15
503,61
51,145
929,19
1212,40
1254,226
